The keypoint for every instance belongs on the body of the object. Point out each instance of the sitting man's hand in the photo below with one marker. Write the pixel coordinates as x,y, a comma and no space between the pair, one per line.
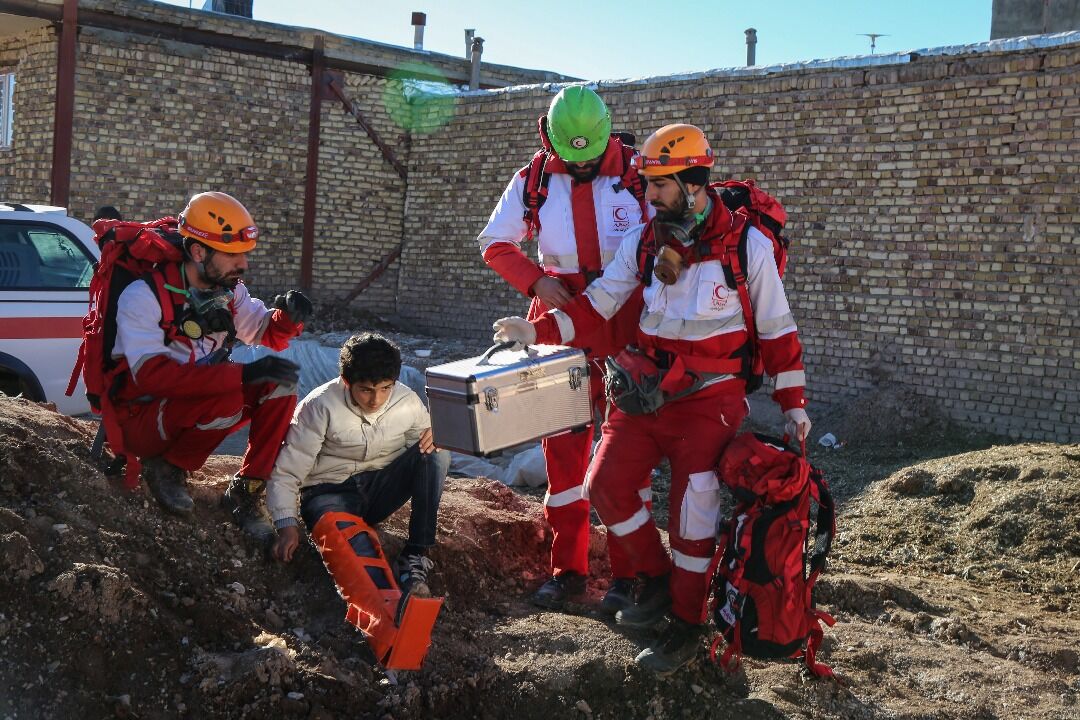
270,369
514,329
288,540
296,306
798,424
427,442
551,292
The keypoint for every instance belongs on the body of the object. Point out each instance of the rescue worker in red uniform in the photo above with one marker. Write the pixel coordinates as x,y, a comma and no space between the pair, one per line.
588,206
692,328
179,396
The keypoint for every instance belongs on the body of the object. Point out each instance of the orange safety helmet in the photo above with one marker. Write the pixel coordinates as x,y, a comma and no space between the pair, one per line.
672,149
219,221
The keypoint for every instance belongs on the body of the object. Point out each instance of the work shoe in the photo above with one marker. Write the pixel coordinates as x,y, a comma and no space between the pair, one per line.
678,647
166,483
555,593
412,574
652,603
244,499
619,596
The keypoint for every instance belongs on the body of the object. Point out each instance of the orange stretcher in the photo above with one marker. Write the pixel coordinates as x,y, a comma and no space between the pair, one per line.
397,628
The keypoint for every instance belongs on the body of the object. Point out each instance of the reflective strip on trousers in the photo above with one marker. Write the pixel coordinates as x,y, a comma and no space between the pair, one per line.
635,522
690,563
566,497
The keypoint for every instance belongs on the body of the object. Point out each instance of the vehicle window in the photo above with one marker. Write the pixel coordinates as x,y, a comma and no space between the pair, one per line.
34,256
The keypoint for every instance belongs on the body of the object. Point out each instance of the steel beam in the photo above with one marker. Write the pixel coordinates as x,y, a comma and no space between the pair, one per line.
311,178
64,107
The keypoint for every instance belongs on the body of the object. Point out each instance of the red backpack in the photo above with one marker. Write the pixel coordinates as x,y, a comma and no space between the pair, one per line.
129,251
763,583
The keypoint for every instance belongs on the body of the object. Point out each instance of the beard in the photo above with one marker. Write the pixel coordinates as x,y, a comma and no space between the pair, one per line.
212,275
664,214
583,175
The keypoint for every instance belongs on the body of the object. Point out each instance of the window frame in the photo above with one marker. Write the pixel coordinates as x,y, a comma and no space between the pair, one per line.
52,227
7,108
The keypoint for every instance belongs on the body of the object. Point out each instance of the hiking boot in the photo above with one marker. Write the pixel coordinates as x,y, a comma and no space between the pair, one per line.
555,593
244,500
652,604
412,574
619,596
166,483
679,646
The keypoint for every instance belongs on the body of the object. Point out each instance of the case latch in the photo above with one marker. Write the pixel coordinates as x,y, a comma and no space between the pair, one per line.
491,399
575,378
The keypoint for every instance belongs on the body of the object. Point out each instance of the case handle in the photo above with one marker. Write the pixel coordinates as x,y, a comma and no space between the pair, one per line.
496,348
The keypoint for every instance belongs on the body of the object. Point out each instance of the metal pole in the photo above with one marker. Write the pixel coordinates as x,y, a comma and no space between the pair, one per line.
311,179
64,107
470,33
477,51
751,46
419,20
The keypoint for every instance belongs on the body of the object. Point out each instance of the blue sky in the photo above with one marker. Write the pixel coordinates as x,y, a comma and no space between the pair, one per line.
603,40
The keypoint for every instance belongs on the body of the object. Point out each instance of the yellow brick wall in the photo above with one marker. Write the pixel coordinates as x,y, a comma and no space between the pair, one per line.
933,214
933,204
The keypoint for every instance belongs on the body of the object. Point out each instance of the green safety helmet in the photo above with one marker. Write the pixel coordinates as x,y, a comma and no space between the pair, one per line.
578,124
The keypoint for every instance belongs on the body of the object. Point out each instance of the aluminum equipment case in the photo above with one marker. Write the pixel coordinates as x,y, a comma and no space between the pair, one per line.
503,398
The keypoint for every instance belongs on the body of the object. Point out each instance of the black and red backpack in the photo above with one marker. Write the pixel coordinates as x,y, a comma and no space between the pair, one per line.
129,251
535,192
764,569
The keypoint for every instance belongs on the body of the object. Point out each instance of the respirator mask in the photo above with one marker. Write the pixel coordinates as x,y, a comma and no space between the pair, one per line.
209,312
674,241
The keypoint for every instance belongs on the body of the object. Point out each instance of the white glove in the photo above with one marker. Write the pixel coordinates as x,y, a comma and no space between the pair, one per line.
798,424
517,330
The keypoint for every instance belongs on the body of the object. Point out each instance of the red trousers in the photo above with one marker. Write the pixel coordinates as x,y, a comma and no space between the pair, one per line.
186,430
566,505
691,433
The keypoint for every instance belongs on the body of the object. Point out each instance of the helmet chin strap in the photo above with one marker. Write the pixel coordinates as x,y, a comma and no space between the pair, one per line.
688,197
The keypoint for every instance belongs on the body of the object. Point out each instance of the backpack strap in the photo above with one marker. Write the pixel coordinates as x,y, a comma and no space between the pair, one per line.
165,282
631,180
535,193
645,255
735,261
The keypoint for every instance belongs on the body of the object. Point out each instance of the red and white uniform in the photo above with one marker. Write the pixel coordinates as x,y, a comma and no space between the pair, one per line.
698,319
582,226
172,406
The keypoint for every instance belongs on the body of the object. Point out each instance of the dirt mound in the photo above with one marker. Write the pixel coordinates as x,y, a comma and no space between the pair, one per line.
110,608
1005,514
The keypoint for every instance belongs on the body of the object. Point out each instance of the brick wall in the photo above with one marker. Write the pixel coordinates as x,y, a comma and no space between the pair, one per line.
25,168
933,205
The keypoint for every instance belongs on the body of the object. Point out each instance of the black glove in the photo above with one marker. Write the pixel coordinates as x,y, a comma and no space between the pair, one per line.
296,305
271,369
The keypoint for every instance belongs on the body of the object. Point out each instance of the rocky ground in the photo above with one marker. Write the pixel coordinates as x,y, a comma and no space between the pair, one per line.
954,582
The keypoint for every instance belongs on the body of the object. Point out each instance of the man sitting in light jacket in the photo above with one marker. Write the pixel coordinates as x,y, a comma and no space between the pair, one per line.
361,444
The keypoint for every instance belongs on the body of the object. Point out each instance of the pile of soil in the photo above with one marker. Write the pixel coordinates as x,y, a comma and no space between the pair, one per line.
954,585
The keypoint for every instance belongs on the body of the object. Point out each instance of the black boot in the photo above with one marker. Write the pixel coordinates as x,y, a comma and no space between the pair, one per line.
678,647
555,593
244,501
619,596
166,483
652,604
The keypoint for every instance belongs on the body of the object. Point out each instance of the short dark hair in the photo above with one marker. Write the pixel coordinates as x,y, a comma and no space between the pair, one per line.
369,357
107,212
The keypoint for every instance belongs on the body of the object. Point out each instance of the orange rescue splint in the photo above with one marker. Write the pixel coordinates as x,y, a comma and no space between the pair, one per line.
352,554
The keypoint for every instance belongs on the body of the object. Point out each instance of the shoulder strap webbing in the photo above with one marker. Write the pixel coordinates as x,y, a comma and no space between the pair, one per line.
536,192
